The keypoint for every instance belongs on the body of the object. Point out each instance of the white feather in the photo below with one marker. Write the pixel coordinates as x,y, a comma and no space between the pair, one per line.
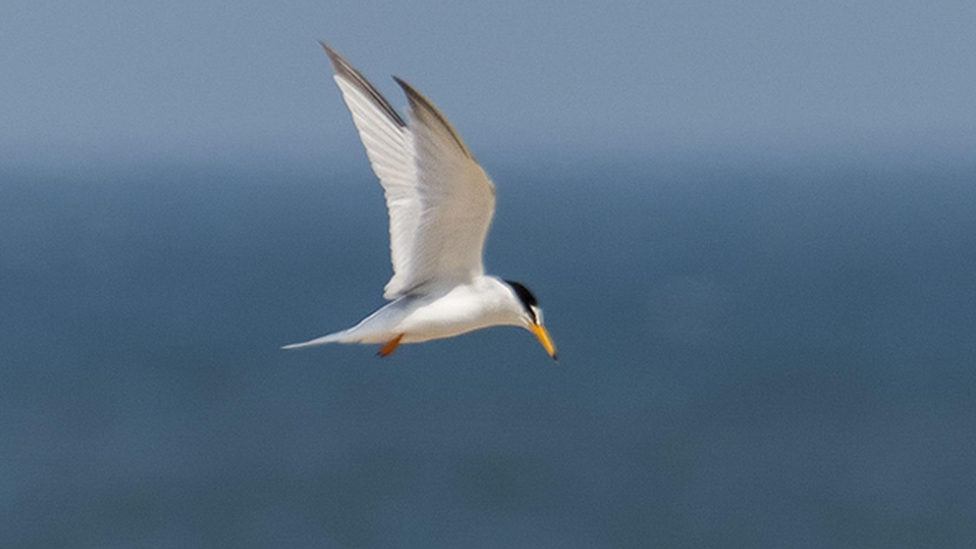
439,199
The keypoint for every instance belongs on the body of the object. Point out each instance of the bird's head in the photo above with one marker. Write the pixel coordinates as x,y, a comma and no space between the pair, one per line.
532,317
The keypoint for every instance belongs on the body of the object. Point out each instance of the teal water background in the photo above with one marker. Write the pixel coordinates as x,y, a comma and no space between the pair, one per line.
752,356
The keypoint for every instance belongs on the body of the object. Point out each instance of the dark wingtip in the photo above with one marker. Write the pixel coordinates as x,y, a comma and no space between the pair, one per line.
345,70
423,108
403,84
337,60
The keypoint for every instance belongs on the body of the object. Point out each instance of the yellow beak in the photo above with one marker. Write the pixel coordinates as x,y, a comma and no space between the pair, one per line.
543,336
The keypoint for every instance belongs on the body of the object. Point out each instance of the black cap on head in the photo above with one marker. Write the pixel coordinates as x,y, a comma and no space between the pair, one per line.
531,306
525,296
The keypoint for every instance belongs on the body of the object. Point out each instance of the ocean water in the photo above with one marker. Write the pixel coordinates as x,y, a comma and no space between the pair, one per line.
752,356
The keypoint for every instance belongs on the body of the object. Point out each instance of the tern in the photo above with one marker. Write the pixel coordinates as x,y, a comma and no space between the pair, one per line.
440,203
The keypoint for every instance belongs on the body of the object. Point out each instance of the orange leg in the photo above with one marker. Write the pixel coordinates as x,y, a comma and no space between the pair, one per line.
390,346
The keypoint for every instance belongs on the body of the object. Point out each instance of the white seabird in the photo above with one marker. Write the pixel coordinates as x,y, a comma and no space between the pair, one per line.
440,203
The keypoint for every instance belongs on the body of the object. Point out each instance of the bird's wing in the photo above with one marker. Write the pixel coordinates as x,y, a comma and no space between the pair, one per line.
439,199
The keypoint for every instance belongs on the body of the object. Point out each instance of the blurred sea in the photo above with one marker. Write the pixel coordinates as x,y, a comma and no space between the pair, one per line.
752,356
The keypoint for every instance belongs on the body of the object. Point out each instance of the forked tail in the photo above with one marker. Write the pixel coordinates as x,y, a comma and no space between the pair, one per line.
330,338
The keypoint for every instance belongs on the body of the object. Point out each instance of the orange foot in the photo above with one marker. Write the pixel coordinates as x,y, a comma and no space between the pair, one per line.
391,345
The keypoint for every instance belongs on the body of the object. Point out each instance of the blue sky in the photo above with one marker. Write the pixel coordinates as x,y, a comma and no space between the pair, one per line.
199,78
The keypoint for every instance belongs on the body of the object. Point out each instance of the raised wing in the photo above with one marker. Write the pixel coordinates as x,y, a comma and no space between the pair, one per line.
439,199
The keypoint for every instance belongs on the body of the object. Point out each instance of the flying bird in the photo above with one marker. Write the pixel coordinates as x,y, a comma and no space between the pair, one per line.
440,203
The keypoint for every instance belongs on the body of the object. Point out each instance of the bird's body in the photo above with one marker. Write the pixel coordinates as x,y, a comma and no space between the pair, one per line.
440,203
447,312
